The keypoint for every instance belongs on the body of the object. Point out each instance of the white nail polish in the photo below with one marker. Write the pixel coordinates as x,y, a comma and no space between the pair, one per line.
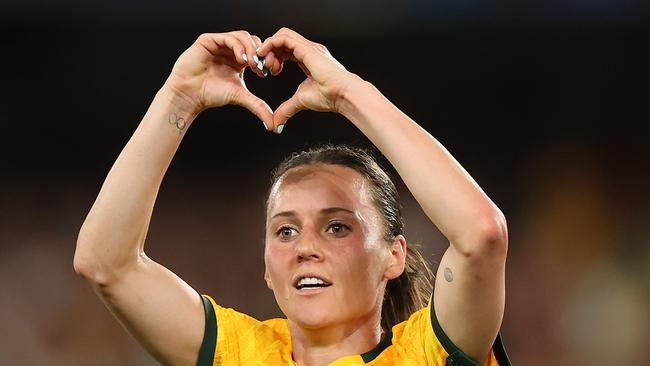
265,126
243,55
279,129
257,60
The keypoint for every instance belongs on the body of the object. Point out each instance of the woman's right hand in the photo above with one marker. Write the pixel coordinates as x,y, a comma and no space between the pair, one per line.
210,74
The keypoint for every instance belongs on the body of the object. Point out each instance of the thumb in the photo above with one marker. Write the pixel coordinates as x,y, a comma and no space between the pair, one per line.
285,111
257,106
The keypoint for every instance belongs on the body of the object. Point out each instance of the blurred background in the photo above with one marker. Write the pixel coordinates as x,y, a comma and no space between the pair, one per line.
546,104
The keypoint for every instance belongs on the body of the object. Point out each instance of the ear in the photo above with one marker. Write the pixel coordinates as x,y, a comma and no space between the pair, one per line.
267,278
397,258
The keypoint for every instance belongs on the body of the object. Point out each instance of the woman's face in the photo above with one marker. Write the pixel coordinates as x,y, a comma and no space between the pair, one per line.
326,259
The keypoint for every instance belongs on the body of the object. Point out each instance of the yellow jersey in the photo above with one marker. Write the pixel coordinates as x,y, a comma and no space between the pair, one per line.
233,339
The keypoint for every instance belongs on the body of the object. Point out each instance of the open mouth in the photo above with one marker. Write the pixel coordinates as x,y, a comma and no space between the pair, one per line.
309,283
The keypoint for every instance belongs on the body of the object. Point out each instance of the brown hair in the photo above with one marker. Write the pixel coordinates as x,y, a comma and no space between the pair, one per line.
412,289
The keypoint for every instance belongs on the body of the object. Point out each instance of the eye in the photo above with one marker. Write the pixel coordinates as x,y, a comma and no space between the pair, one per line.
338,229
285,233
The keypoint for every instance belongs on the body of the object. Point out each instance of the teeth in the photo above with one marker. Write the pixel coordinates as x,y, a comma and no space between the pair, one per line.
310,282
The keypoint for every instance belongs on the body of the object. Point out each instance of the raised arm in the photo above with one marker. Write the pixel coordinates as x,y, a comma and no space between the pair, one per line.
163,312
470,286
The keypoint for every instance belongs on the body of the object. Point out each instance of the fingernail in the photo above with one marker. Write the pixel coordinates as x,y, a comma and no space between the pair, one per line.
279,129
243,55
258,48
265,126
266,71
260,62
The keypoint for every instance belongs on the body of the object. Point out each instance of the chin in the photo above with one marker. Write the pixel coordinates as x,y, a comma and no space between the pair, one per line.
312,316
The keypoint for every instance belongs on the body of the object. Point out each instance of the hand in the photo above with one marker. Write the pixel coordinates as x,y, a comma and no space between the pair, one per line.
211,74
326,79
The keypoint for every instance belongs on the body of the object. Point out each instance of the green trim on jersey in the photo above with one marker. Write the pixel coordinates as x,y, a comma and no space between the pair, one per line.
206,353
373,353
456,356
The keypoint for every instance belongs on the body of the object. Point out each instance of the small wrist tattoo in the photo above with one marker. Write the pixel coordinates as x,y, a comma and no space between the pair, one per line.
177,121
449,275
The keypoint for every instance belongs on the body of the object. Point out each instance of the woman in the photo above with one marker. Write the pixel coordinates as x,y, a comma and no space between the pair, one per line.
335,255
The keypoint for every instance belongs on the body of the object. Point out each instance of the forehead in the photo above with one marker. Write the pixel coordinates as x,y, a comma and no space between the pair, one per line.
319,185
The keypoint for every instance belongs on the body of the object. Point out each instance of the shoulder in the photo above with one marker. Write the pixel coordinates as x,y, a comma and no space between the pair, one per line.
422,339
232,337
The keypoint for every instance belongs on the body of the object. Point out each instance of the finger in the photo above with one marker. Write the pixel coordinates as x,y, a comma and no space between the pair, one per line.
285,111
215,43
250,50
276,58
296,48
282,40
264,71
292,33
273,63
284,32
256,105
257,42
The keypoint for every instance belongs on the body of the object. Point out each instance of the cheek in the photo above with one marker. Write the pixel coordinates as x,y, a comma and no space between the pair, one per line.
275,251
363,264
275,259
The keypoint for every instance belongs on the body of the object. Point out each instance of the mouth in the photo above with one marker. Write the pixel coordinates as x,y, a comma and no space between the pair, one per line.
311,282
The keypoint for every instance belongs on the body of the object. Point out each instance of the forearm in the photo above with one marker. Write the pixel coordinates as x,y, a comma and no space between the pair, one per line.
113,233
447,193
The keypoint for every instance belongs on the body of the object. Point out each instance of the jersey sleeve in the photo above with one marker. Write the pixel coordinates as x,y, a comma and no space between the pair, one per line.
422,334
496,357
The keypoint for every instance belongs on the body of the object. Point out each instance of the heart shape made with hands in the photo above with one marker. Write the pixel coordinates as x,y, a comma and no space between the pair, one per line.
209,73
288,107
265,72
323,76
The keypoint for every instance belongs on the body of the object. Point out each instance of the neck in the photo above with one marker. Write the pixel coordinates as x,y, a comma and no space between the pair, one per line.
321,346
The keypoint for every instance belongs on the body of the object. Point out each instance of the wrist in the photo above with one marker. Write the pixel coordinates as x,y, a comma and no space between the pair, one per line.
352,94
184,104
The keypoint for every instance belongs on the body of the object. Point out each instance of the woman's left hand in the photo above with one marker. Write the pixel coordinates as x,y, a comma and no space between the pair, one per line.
326,79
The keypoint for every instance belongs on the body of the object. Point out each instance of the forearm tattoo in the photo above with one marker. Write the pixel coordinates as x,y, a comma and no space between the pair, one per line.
449,275
177,121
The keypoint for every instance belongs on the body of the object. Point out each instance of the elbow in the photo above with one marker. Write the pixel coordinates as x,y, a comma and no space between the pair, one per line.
82,266
493,235
88,264
489,239
102,270
92,270
83,262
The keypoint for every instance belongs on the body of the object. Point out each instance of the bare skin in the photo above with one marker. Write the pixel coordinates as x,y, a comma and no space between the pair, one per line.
470,289
322,222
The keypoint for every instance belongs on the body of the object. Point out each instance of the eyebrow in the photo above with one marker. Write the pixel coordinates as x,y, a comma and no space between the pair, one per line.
329,210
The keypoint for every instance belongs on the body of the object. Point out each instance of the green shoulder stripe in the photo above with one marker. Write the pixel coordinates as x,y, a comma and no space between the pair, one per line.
456,356
206,353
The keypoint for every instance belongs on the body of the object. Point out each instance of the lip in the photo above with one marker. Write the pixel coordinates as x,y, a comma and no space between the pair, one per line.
311,291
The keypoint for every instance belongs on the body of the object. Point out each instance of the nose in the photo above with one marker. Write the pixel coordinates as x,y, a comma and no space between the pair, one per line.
308,249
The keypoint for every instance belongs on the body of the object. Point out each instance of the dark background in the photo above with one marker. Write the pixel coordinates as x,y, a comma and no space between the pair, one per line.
544,103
